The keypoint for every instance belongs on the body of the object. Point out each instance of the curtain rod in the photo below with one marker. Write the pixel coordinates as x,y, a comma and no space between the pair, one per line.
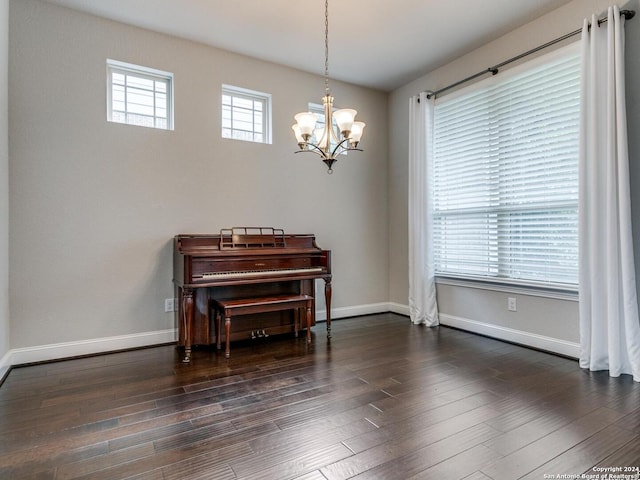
627,14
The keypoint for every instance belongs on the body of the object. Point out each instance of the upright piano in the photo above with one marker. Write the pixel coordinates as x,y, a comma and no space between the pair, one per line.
244,262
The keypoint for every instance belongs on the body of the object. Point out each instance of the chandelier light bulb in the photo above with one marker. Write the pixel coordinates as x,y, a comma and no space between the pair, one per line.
357,129
344,118
298,134
306,123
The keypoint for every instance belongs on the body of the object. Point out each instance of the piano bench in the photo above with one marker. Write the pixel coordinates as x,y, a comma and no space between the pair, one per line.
246,306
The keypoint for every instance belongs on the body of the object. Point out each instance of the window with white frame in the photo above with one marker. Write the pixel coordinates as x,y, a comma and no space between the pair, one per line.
139,95
505,176
246,114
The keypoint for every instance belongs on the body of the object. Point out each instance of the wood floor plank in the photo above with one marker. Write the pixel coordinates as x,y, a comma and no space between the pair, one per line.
292,466
413,459
527,459
523,435
477,476
428,413
423,429
165,458
383,399
281,407
460,466
212,465
100,462
631,421
580,459
626,456
329,430
315,475
35,461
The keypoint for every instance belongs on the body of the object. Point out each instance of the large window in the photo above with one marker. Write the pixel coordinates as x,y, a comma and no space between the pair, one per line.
505,179
246,114
139,95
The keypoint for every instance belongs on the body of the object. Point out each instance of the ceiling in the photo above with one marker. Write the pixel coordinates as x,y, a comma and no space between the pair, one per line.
381,44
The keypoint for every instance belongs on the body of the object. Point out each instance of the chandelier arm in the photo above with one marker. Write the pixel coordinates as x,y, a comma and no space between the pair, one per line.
352,149
344,149
313,149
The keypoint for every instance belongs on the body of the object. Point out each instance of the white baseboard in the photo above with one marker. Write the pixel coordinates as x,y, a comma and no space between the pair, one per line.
56,351
549,344
399,308
42,353
541,342
344,312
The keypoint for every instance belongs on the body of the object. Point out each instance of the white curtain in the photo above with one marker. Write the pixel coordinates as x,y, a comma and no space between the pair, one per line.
423,307
609,325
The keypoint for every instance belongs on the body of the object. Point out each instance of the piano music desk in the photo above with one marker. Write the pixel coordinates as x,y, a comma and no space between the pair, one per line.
246,306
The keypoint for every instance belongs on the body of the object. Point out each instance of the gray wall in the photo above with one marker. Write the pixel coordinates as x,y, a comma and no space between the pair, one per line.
4,180
478,309
94,205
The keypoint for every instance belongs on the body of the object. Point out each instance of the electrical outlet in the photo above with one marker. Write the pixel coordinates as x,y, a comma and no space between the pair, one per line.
511,304
169,304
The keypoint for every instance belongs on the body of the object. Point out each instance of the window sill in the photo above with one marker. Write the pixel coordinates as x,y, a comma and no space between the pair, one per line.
496,286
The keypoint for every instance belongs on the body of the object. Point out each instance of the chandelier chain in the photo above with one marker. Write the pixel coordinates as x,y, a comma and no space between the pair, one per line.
326,46
329,139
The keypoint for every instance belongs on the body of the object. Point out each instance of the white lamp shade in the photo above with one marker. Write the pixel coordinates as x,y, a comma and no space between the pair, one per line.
356,131
306,122
344,118
296,130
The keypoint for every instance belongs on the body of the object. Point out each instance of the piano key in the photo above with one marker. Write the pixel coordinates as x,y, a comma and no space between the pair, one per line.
255,273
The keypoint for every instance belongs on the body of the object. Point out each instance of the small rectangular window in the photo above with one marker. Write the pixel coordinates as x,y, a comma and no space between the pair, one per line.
139,95
246,114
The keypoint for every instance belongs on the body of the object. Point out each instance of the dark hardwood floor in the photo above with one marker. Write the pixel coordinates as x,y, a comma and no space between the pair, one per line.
385,399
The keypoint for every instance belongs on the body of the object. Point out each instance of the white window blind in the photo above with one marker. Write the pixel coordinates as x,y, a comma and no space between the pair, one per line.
505,179
246,114
139,95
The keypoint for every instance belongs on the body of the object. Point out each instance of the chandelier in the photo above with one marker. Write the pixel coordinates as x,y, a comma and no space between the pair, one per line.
329,141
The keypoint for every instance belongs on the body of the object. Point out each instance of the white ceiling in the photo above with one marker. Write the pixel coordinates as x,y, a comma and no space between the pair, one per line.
375,43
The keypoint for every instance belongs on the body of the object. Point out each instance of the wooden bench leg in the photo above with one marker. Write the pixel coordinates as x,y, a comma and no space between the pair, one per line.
308,322
218,330
227,333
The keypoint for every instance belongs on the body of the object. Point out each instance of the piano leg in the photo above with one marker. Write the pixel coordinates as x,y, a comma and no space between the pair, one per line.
327,301
187,319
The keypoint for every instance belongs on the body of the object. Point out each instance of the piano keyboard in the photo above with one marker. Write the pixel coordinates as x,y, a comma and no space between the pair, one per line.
256,273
